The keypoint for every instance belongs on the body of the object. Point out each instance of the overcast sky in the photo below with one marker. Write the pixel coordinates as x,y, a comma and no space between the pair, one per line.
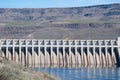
52,3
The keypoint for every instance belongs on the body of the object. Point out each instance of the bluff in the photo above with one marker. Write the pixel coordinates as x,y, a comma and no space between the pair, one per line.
90,22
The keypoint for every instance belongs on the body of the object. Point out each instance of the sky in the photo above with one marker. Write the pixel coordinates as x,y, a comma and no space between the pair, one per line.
52,3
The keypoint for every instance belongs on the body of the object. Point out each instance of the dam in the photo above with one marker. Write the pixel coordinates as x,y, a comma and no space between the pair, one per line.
41,52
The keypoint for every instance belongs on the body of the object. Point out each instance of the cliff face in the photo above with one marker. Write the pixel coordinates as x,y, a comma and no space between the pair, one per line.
92,22
101,12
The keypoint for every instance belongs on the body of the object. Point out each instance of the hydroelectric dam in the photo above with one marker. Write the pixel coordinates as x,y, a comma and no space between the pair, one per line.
38,52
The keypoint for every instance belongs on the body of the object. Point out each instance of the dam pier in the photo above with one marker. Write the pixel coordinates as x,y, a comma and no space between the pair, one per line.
42,52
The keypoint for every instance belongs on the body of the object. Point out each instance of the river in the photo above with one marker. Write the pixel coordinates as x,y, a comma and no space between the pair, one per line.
83,73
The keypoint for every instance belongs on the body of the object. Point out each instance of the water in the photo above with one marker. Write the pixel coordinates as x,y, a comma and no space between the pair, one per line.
102,73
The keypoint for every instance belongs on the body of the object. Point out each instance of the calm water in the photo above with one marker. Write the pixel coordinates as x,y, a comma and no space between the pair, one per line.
103,73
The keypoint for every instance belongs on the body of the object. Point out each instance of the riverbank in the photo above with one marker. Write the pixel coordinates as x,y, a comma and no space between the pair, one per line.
11,71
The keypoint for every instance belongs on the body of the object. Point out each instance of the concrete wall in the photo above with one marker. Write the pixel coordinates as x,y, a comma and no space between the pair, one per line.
67,53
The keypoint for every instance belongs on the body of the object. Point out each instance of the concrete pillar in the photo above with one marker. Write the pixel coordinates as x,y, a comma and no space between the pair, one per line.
36,56
118,56
58,55
33,55
36,59
23,58
7,54
16,56
118,43
94,54
51,55
108,56
100,55
106,53
97,54
118,52
103,57
64,57
45,61
76,58
55,56
39,52
73,56
77,55
97,57
91,56
85,57
20,51
47,56
26,54
13,54
67,55
42,58
60,59
88,55
2,54
29,59
82,56
113,57
22,54
70,54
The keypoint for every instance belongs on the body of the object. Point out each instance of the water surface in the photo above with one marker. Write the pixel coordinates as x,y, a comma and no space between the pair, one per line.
94,73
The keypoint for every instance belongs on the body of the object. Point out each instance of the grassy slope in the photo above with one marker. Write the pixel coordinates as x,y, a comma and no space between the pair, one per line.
35,23
97,30
85,21
12,71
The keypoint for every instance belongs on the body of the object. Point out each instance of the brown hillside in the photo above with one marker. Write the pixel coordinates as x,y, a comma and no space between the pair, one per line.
92,22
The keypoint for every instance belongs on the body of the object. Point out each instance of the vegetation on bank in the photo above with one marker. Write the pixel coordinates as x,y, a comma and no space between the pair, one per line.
11,71
48,24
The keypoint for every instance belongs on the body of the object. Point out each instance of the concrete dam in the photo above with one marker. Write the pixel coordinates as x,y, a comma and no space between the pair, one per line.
38,52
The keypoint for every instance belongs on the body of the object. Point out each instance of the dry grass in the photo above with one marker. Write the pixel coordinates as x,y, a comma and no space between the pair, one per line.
11,71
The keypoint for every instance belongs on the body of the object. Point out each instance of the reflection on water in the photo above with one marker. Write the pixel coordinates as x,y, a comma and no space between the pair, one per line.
88,73
72,66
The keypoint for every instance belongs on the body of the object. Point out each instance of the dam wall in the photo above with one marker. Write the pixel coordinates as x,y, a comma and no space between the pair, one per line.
38,52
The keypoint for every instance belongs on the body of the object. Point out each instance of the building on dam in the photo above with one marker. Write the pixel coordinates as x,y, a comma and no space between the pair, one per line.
41,52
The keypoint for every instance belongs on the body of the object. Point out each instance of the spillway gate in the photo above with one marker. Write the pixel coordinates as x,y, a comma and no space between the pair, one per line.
38,52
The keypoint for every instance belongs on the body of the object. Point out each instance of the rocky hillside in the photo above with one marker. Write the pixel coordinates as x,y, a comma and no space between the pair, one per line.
91,22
